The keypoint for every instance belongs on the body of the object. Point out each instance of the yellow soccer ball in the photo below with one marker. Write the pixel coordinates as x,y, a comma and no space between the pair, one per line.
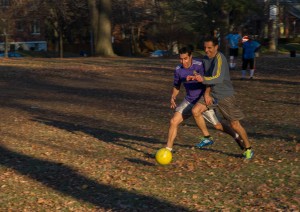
163,156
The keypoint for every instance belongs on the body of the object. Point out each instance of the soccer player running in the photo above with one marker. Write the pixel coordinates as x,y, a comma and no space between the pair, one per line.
194,90
217,77
234,39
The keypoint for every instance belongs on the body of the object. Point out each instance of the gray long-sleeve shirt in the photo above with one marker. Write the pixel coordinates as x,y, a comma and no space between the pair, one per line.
218,77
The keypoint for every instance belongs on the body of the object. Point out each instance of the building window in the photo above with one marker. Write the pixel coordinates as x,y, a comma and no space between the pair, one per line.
20,25
4,3
35,27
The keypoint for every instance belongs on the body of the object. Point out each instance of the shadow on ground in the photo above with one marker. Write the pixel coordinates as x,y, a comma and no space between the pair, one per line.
66,180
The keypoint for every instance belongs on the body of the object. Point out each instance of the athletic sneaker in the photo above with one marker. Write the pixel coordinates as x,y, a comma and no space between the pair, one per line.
205,142
248,154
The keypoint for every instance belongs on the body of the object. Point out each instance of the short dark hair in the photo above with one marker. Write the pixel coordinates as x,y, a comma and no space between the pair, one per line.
186,49
212,39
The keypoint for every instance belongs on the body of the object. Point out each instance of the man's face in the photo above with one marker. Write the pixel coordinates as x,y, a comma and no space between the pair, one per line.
210,49
185,60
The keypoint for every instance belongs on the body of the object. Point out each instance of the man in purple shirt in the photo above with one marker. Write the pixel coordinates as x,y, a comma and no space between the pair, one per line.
194,91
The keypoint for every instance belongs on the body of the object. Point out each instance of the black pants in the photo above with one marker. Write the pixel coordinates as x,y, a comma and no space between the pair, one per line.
246,62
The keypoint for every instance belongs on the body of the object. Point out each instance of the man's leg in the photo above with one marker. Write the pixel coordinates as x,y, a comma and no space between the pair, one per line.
244,68
251,68
233,114
211,117
236,126
197,111
227,129
174,123
231,62
233,54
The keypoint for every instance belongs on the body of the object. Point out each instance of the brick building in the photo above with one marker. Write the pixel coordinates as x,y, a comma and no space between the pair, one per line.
20,27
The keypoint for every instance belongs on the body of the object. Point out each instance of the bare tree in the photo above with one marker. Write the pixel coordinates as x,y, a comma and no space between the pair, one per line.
132,17
100,17
6,22
60,16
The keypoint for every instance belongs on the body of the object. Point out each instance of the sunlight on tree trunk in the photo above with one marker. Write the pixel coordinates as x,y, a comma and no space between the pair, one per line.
101,26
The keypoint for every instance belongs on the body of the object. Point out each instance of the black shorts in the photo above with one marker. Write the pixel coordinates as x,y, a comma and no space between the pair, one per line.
246,62
234,52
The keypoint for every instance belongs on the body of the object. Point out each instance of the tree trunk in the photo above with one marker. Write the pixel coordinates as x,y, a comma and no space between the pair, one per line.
223,30
135,37
101,26
56,40
272,43
61,45
273,46
94,24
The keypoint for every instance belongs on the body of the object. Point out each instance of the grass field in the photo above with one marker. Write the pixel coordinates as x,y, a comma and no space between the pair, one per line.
79,134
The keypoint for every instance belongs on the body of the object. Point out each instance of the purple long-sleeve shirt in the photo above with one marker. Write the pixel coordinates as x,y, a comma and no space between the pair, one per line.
194,90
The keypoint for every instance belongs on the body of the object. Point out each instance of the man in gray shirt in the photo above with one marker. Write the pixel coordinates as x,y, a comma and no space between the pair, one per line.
221,95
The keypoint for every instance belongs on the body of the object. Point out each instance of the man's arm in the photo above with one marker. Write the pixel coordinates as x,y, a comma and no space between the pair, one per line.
257,46
175,92
207,98
218,73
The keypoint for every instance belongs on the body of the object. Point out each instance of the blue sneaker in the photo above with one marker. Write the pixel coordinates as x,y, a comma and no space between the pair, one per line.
205,142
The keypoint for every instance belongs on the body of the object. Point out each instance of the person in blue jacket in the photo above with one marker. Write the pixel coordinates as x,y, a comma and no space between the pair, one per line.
234,39
250,47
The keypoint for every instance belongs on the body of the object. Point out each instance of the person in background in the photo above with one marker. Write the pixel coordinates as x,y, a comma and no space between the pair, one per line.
250,47
234,39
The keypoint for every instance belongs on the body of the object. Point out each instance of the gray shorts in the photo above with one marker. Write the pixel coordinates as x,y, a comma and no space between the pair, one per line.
185,108
227,108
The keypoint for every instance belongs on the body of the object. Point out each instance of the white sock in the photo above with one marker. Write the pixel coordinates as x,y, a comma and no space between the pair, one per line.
168,148
231,63
236,135
251,72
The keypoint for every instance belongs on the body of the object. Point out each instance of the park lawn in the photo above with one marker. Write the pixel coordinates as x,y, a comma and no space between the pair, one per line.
80,134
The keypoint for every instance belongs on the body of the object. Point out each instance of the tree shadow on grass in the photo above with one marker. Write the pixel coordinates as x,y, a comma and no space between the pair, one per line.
281,102
222,152
273,137
139,161
271,81
110,136
67,181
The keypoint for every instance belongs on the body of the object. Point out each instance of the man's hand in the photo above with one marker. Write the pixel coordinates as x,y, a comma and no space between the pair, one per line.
199,78
208,99
190,78
173,103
